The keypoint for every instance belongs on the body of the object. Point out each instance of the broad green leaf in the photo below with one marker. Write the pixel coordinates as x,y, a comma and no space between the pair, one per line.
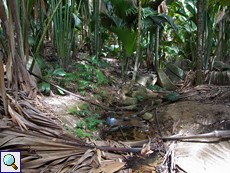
128,39
170,20
117,21
191,6
45,87
87,111
30,5
32,41
77,20
59,71
84,106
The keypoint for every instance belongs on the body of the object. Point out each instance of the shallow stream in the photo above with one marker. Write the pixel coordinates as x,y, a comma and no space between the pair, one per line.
129,127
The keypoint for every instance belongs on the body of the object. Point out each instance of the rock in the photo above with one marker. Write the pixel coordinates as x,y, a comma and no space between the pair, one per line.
114,129
130,108
175,73
141,93
183,64
36,70
219,65
219,78
174,78
130,101
152,120
158,101
147,116
164,81
127,119
146,79
226,77
127,126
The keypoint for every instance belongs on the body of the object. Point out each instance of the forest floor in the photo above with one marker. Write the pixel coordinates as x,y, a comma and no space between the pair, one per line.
201,109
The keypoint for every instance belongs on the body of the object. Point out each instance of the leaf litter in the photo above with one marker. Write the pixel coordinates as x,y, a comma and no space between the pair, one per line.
47,147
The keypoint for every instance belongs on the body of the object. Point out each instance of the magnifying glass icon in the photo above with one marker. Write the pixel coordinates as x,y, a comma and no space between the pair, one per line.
9,160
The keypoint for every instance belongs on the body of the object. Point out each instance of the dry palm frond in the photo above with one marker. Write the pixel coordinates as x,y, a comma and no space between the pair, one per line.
47,147
37,151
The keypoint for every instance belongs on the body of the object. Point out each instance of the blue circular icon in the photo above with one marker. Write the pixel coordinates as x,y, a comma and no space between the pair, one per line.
9,161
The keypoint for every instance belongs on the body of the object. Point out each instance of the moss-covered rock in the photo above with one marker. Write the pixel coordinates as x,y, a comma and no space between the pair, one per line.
130,108
129,101
140,94
147,116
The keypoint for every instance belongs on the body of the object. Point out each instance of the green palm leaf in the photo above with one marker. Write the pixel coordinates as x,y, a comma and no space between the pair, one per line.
128,39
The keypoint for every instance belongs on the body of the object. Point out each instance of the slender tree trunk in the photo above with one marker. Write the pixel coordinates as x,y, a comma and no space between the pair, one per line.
26,30
199,60
152,42
219,55
4,22
156,48
16,19
127,90
96,31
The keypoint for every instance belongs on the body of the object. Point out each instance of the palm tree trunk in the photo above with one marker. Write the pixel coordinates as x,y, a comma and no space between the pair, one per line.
199,61
219,55
156,48
127,90
96,31
14,7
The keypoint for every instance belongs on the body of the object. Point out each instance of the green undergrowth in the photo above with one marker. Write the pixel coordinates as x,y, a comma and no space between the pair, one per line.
155,87
91,120
172,97
78,132
86,76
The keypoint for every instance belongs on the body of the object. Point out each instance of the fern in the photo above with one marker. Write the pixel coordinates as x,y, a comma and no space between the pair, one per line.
92,123
173,97
98,63
132,11
86,74
101,79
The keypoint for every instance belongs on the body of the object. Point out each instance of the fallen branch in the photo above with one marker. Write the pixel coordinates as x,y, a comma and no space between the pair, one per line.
220,134
82,98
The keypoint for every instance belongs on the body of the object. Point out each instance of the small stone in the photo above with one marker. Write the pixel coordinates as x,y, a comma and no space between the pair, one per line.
141,94
130,108
130,101
147,116
152,120
114,129
127,126
127,119
158,101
